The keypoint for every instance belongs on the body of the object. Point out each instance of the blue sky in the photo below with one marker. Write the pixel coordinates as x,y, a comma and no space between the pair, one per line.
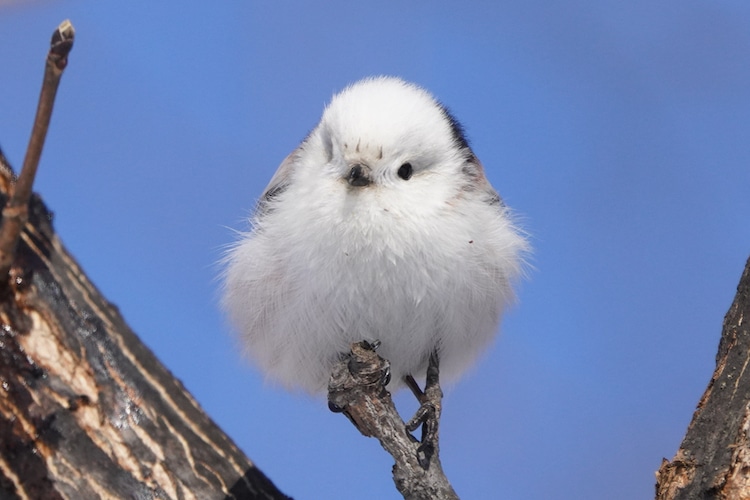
619,131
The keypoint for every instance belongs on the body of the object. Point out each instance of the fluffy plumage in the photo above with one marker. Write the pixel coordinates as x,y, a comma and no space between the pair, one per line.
380,225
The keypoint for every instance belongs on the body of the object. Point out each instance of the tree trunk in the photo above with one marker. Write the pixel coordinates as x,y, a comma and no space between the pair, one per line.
86,410
714,458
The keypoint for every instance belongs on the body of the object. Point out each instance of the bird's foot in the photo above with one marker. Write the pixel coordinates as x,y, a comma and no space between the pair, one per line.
360,368
360,361
428,414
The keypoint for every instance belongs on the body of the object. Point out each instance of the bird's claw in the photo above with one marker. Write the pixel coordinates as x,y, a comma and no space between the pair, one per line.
364,365
428,414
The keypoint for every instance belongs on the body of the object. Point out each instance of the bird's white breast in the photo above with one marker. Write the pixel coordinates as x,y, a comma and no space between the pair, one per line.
337,267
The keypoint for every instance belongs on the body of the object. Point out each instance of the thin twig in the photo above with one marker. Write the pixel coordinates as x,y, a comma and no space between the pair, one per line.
16,210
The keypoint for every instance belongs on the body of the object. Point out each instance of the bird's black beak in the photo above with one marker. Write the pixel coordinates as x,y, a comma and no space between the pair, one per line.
359,176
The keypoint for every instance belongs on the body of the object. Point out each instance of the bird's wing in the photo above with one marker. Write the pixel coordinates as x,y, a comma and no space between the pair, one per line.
475,178
278,184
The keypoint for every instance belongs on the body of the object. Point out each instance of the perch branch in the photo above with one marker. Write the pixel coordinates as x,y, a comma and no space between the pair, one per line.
357,388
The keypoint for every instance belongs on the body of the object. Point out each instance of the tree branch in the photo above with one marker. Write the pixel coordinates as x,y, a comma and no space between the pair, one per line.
714,458
357,388
86,409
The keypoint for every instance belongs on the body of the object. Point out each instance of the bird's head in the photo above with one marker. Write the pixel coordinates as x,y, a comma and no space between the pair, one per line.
386,133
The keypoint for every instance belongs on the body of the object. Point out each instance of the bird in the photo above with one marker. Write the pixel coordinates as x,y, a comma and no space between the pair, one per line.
380,226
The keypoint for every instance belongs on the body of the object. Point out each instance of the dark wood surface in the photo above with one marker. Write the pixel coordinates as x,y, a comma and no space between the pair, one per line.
86,409
714,458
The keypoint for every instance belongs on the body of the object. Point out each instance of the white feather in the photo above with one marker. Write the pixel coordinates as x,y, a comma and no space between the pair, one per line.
421,264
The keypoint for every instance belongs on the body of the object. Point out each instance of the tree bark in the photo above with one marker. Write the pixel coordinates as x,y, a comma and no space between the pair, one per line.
714,458
86,409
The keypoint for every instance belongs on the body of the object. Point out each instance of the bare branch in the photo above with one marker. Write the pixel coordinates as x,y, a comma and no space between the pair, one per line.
357,388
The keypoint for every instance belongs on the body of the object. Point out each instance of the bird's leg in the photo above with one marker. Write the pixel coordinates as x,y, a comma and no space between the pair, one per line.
428,414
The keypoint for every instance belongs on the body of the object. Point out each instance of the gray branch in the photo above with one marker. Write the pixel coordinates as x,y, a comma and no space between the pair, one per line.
357,389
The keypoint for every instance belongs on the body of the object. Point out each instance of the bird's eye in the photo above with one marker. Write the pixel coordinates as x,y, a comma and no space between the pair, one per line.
405,171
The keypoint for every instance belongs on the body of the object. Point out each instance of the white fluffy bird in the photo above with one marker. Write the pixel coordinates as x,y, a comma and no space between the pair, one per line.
382,226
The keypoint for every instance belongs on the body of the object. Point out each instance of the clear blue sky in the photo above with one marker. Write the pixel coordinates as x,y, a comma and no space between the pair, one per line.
620,131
